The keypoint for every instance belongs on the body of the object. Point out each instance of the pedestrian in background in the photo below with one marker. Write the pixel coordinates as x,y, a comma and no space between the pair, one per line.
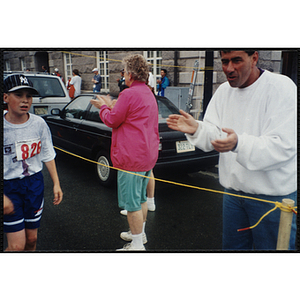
44,69
96,81
251,121
151,80
135,141
121,81
70,88
56,73
76,82
162,83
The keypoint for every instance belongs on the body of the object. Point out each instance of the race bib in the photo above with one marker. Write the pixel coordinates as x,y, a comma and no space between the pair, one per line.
27,149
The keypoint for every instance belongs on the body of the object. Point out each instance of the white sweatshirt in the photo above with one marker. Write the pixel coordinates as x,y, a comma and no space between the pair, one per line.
264,117
76,81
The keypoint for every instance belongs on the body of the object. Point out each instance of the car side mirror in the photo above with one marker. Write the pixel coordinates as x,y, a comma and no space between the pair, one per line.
55,112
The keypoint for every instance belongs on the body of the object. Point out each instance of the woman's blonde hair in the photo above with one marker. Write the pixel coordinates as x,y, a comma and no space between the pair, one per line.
137,65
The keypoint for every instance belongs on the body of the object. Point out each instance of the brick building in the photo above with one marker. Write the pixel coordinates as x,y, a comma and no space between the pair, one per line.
179,64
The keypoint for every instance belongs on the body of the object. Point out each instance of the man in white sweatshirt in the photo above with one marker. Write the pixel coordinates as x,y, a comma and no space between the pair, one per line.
251,121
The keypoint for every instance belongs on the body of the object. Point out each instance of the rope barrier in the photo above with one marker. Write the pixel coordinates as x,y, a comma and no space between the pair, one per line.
170,66
118,60
277,204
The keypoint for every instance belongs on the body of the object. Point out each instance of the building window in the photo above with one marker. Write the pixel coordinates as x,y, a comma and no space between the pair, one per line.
155,59
7,65
22,63
102,65
68,66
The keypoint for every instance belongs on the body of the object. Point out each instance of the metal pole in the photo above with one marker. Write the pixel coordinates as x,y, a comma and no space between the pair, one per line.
208,79
176,69
285,225
189,104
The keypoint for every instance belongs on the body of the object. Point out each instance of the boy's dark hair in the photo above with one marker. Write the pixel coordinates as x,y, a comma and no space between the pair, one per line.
249,52
165,71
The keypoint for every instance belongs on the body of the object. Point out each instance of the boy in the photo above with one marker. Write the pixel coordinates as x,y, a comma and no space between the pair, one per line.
27,144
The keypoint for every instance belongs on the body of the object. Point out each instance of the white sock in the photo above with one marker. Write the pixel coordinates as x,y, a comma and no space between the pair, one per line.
137,241
151,204
150,200
144,224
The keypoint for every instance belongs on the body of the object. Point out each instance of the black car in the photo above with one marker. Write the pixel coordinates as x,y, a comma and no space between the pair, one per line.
79,129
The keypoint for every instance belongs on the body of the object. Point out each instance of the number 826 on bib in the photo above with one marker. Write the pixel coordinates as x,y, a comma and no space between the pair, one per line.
28,149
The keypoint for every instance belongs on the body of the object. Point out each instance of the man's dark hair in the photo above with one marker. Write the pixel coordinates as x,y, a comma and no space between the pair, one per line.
76,72
249,52
165,71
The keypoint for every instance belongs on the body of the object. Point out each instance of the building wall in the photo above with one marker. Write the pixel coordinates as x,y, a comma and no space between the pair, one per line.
15,59
179,75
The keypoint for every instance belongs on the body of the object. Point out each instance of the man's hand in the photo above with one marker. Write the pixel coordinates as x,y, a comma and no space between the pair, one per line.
227,144
184,122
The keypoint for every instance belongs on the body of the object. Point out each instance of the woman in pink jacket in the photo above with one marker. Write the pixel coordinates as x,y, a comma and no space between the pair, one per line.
135,140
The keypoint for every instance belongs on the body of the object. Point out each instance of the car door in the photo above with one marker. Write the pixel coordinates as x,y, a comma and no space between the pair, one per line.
94,135
69,122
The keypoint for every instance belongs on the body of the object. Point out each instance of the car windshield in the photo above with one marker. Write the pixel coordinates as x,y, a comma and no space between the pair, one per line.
165,108
78,107
47,86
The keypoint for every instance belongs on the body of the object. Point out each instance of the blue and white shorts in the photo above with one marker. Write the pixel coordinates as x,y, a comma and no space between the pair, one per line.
27,195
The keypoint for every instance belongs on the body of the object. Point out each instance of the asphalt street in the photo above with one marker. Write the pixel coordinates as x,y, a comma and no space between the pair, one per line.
88,218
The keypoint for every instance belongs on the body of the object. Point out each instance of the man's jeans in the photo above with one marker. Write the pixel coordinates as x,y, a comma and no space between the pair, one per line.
239,213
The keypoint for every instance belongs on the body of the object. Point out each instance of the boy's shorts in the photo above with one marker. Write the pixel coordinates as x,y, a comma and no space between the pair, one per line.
132,190
27,195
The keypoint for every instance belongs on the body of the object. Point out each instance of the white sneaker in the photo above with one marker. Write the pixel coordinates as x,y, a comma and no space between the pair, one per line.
123,212
128,247
127,236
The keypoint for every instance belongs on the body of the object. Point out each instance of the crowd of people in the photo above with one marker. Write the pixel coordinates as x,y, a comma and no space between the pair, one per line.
250,121
74,83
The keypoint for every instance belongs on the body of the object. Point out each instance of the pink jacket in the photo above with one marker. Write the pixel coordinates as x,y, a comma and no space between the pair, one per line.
134,120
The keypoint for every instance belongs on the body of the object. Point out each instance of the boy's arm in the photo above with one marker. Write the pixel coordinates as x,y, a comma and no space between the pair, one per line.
58,194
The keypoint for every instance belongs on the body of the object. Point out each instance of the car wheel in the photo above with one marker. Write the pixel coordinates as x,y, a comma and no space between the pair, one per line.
105,175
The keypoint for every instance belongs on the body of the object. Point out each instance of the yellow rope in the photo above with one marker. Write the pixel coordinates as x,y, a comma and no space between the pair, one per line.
118,60
162,180
277,204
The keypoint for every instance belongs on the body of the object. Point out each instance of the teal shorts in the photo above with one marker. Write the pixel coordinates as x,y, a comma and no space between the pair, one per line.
132,190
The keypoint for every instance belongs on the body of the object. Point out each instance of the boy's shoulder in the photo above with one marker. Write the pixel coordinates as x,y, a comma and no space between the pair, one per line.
37,120
33,121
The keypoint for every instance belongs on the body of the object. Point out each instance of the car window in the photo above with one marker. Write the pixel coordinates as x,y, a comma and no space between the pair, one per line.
94,114
165,108
47,86
78,107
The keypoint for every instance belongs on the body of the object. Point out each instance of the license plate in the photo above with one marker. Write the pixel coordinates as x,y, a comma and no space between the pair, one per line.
41,110
184,146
